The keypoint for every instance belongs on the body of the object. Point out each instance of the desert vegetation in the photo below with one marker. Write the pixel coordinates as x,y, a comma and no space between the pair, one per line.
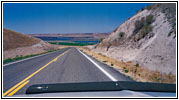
134,71
101,40
121,34
169,9
143,27
149,39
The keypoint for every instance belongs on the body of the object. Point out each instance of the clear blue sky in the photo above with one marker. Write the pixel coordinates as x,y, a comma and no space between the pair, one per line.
67,17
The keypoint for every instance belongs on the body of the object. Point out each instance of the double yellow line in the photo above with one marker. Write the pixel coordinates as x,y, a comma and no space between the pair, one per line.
21,84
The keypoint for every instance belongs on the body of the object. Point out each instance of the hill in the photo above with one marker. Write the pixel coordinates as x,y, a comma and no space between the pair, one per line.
12,40
147,39
18,44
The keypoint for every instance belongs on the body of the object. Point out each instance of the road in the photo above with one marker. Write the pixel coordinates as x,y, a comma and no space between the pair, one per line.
67,65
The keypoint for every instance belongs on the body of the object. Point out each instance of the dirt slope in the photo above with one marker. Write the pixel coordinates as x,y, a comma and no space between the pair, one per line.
12,40
17,44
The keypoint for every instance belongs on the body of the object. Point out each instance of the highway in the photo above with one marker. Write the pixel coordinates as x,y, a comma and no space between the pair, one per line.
66,65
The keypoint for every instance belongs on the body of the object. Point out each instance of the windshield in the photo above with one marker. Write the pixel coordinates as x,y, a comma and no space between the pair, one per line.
77,47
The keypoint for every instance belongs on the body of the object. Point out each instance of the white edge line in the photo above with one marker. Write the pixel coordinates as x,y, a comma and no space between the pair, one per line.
27,59
105,72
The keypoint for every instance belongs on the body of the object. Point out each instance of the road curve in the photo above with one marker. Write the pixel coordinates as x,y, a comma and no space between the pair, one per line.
67,65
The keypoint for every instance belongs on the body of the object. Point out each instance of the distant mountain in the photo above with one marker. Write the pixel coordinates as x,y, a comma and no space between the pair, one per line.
78,35
147,38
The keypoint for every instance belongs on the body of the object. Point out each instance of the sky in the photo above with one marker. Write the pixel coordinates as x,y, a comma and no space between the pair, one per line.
32,18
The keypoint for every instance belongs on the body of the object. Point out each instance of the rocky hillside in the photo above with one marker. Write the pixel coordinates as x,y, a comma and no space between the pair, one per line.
148,38
17,44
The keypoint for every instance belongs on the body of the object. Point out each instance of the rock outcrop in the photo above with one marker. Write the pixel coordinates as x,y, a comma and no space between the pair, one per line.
148,38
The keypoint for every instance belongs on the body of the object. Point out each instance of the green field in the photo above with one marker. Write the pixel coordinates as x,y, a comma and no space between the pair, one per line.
72,43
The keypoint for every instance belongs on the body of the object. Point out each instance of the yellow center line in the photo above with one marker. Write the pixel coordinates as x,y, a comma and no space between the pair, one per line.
18,88
4,94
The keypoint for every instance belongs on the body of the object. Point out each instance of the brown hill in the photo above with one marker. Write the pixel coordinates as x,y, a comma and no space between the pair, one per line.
12,40
17,44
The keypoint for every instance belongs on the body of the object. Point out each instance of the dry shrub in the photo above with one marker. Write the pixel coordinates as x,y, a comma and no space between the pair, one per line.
135,71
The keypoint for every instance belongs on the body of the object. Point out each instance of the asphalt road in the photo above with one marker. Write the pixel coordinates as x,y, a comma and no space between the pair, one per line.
69,66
